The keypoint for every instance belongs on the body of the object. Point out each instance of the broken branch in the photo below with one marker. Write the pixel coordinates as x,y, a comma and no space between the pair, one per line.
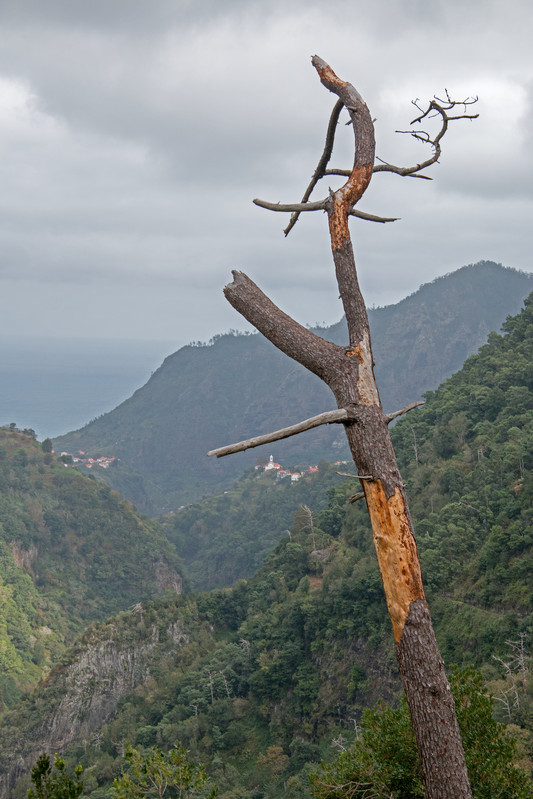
315,353
329,417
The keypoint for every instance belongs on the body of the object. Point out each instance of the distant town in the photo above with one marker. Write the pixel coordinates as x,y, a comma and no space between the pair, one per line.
82,459
282,473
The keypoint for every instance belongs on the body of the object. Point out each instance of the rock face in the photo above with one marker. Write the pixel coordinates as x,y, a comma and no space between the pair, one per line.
84,693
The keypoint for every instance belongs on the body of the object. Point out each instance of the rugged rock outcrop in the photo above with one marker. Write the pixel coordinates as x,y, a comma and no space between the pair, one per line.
82,694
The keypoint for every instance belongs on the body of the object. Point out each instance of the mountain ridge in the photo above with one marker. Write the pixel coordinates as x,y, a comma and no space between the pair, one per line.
205,396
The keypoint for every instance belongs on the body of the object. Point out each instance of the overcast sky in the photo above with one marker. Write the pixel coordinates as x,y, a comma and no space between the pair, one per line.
134,135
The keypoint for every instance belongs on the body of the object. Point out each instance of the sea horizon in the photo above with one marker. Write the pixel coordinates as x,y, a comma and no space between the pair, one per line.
56,385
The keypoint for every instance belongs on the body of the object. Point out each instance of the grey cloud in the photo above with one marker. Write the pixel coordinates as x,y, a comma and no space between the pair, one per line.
158,126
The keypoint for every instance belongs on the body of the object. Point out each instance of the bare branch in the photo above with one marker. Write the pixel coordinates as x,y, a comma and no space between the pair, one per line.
372,217
297,208
315,353
330,417
356,497
343,172
321,166
291,207
391,416
407,171
436,107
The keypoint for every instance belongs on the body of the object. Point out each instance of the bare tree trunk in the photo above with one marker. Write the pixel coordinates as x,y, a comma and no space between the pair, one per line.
349,372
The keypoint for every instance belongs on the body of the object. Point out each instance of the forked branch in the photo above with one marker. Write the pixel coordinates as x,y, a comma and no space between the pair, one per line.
435,108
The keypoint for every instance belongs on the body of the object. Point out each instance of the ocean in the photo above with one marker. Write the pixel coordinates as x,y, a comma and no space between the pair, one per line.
55,385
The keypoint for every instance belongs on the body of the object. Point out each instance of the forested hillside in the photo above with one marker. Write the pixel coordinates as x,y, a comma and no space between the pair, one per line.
226,537
72,551
206,396
262,680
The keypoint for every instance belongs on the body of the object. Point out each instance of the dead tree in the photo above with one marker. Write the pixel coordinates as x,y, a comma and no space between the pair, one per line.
349,373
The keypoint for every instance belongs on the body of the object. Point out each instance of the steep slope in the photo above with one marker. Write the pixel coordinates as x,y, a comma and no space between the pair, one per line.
266,676
72,551
203,397
226,537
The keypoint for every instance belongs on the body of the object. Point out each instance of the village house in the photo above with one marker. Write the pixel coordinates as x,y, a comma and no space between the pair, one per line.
282,473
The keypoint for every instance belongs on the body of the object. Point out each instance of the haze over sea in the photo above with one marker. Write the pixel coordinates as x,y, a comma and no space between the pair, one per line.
55,385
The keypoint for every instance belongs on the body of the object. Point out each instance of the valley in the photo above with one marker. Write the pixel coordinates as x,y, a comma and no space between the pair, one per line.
250,625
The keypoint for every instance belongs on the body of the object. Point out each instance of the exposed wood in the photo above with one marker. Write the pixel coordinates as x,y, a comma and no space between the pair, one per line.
396,551
329,417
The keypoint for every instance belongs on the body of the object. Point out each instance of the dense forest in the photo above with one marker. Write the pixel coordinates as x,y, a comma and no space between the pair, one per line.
72,551
226,537
263,680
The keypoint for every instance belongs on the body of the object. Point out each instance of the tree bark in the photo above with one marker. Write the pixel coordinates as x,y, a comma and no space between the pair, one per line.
349,372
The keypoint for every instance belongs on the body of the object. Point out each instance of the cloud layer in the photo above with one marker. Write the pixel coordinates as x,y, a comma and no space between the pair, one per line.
134,136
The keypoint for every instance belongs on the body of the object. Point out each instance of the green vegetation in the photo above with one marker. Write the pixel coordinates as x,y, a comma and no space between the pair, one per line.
158,774
53,782
467,459
383,762
72,551
226,537
262,681
206,396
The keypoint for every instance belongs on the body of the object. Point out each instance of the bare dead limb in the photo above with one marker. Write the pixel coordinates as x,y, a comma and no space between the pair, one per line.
320,205
364,144
355,476
391,416
321,166
436,107
372,217
351,100
342,172
329,417
356,497
291,207
312,351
